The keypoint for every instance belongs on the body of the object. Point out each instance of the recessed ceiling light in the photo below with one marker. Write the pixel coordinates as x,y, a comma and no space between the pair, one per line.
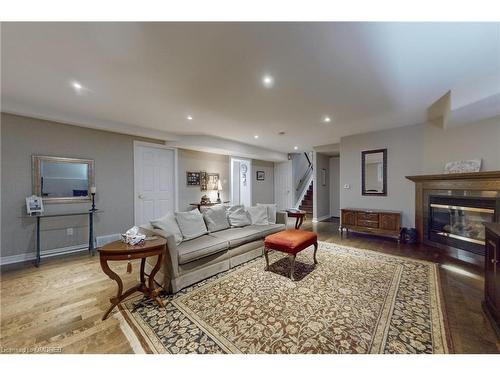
76,85
268,81
295,147
256,136
189,117
327,119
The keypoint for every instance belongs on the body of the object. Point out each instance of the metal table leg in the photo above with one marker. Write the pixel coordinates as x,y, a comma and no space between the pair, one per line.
91,232
37,260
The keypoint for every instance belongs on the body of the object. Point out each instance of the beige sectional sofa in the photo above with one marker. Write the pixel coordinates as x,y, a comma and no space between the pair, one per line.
199,258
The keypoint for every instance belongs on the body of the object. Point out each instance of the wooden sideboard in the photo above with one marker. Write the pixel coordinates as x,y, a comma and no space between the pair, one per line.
379,222
491,303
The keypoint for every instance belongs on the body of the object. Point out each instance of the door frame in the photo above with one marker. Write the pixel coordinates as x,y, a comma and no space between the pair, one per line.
176,173
289,171
249,178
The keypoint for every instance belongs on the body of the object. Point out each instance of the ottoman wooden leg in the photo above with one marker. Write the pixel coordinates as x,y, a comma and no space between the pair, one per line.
315,250
266,251
292,267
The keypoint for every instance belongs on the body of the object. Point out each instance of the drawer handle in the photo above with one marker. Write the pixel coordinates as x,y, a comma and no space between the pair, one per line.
494,261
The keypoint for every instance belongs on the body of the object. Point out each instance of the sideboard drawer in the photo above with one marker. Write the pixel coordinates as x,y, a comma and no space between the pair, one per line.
367,223
367,216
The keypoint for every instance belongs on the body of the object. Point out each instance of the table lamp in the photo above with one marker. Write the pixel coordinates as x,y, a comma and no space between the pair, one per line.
219,189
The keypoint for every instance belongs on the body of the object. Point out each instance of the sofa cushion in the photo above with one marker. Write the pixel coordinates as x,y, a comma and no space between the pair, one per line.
200,247
238,216
168,224
271,212
239,236
191,224
258,215
216,218
265,230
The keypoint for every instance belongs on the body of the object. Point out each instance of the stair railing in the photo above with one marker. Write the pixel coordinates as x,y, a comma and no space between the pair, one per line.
304,182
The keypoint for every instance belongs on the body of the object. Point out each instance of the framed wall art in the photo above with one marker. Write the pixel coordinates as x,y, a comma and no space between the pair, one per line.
193,178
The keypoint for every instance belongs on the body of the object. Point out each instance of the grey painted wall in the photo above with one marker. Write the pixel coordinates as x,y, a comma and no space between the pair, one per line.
195,161
262,191
412,150
113,155
321,192
335,186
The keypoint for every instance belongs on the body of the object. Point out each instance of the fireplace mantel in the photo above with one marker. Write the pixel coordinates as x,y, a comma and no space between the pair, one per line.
456,176
485,184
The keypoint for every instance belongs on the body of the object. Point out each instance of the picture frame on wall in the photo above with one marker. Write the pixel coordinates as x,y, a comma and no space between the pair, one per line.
212,181
323,177
261,176
193,178
203,181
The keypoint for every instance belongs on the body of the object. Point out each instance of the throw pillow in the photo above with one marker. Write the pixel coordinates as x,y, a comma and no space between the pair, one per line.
258,215
238,217
216,218
168,224
271,212
191,224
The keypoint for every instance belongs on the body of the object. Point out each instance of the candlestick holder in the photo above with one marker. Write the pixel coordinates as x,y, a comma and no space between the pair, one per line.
93,201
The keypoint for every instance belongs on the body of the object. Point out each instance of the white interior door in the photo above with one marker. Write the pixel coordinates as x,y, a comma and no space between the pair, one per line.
283,185
241,182
154,181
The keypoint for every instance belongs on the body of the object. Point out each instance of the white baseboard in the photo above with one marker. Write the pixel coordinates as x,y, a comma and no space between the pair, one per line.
318,219
44,254
103,240
100,241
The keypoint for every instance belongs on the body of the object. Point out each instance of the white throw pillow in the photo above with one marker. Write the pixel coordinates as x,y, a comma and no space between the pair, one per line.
271,212
168,224
238,217
191,224
258,215
216,218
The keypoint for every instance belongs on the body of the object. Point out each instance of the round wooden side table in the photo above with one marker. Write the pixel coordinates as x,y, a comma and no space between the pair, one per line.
299,216
119,250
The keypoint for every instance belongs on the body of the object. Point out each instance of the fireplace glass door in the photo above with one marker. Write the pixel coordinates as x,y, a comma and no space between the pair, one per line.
453,222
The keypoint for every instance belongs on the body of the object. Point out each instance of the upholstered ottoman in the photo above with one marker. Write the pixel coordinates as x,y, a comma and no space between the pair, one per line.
290,241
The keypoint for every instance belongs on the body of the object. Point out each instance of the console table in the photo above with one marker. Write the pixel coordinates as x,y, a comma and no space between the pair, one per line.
380,222
90,214
200,205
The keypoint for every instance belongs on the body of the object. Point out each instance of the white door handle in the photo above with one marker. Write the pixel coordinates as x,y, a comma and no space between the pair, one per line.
141,196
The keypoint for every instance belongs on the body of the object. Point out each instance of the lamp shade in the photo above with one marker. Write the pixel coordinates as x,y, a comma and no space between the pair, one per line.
219,186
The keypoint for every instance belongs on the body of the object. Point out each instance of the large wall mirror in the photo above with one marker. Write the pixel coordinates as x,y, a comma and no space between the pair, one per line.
62,180
374,172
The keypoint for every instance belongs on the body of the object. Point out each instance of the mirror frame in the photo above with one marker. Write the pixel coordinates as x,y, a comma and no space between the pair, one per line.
384,169
36,163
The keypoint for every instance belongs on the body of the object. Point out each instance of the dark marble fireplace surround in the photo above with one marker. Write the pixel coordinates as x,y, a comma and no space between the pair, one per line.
473,191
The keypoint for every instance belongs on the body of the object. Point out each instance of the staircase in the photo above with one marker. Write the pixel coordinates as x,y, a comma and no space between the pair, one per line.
307,202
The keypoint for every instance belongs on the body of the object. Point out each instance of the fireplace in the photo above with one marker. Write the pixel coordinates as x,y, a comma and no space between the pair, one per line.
459,221
451,209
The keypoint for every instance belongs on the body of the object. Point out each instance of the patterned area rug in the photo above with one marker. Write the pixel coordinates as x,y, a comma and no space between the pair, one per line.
353,301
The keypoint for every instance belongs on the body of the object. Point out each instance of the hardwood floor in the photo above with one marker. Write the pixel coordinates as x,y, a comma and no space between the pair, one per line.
58,307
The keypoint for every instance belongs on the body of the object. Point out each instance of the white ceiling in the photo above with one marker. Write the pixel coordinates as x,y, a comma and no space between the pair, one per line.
366,76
